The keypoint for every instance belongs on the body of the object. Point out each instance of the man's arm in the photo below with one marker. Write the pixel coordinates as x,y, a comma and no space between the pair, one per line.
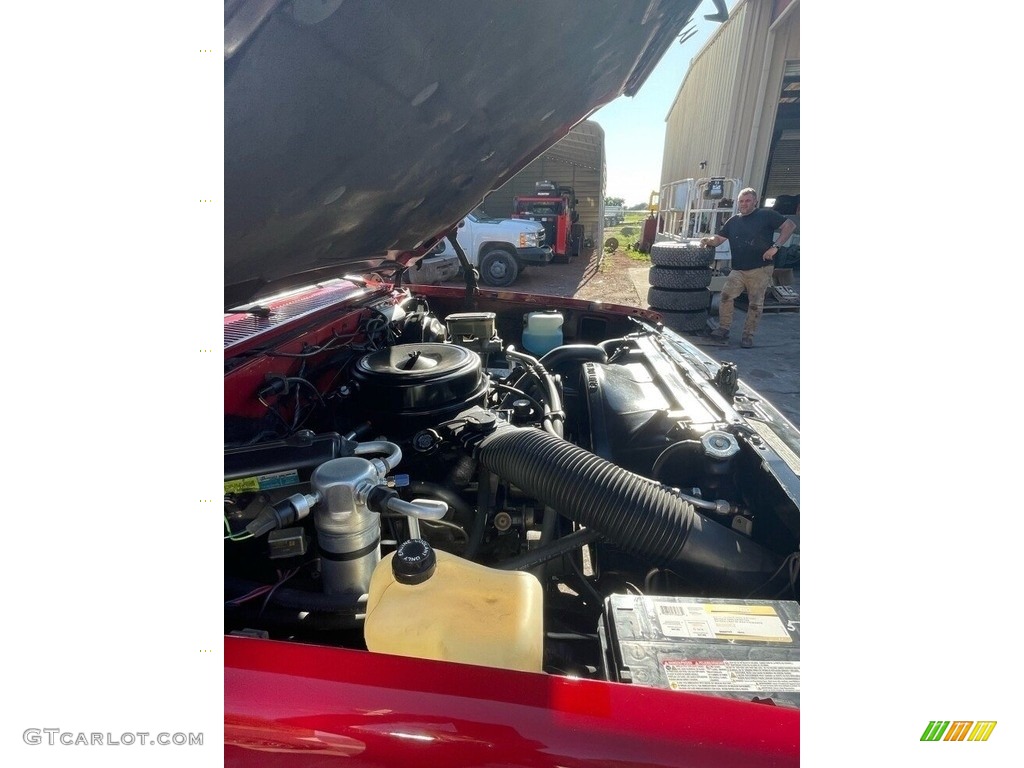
785,231
715,240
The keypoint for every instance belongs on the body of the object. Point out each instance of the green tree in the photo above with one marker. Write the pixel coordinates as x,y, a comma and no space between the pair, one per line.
614,200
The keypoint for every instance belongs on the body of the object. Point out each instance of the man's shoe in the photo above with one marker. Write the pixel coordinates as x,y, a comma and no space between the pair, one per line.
719,333
747,341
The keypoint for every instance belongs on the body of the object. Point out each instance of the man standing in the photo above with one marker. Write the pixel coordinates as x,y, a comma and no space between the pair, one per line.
750,239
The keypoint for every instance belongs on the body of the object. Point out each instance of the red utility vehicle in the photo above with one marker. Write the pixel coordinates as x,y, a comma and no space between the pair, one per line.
554,207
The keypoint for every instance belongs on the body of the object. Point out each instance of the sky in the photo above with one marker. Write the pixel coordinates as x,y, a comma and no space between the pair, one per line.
634,127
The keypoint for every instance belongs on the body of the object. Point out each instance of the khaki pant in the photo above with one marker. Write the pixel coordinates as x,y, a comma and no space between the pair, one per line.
755,282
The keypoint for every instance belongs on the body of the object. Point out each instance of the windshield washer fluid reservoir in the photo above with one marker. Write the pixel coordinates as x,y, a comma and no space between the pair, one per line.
433,605
543,332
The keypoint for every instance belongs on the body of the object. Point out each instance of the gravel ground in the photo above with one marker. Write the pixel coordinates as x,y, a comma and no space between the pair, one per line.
592,276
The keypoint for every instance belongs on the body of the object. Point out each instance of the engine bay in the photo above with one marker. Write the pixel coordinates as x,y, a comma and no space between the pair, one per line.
588,449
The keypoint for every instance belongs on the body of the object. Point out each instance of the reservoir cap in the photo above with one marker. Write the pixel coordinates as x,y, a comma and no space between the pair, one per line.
414,562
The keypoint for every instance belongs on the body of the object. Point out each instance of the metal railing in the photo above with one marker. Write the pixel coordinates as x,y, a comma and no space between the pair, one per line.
690,209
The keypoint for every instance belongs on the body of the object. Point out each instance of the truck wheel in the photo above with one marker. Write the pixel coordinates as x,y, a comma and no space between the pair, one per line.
679,279
686,322
499,268
678,301
577,237
681,255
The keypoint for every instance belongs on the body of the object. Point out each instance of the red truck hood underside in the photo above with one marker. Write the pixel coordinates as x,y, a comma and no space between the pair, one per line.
358,131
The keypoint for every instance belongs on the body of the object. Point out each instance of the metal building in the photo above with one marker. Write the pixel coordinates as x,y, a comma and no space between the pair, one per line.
578,161
737,112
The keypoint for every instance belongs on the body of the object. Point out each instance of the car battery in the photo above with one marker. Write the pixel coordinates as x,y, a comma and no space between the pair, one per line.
739,649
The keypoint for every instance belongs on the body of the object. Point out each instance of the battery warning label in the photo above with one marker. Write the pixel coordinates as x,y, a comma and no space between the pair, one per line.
727,675
715,621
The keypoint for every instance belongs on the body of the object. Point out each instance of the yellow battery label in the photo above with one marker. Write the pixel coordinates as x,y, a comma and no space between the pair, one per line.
721,622
261,482
242,485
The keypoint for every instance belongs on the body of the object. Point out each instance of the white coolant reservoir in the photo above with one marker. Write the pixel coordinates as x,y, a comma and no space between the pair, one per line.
433,605
542,332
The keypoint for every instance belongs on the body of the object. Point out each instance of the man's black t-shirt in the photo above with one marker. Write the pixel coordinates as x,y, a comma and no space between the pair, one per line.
750,236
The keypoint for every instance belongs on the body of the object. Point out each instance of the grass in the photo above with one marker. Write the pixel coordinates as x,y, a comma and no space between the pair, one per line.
628,234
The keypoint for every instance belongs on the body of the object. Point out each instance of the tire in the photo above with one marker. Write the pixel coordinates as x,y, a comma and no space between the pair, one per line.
681,255
679,279
611,244
686,322
577,234
498,269
678,301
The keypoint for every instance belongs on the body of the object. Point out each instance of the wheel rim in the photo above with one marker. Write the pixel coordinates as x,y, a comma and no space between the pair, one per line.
498,269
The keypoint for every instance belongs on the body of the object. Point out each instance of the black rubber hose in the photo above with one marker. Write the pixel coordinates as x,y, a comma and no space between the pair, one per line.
297,599
556,548
615,347
553,413
641,516
575,353
483,503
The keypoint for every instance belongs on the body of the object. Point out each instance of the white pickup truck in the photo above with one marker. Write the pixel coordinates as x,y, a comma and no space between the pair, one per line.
499,249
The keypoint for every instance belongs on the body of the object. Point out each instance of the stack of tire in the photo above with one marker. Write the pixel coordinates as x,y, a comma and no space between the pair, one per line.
679,278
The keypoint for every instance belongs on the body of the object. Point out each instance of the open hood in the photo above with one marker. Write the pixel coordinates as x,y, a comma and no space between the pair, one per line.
360,131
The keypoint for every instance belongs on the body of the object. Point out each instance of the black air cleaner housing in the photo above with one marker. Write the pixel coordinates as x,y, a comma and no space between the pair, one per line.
410,387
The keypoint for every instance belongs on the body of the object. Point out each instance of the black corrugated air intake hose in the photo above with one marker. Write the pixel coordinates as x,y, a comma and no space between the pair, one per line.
639,515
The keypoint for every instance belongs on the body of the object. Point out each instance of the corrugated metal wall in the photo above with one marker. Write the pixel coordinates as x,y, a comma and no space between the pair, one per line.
699,123
774,162
724,113
577,161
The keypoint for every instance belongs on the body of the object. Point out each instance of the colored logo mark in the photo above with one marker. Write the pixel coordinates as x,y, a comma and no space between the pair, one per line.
958,730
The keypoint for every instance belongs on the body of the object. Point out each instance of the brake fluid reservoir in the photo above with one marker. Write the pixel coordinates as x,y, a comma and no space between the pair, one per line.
543,332
433,605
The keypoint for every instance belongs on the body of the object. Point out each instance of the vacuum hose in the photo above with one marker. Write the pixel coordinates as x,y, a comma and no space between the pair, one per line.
641,516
